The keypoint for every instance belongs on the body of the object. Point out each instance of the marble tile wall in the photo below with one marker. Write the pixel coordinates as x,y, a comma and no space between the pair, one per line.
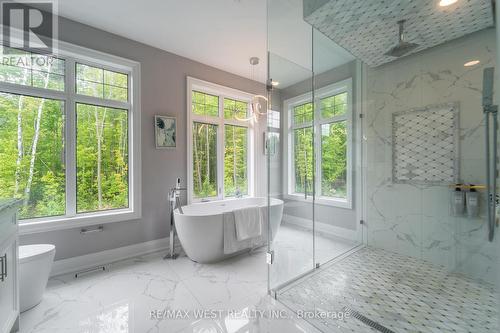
414,219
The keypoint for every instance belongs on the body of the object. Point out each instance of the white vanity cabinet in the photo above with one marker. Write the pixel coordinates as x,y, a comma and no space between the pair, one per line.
9,263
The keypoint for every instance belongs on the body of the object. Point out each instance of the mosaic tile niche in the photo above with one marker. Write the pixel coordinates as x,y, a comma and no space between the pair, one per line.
425,145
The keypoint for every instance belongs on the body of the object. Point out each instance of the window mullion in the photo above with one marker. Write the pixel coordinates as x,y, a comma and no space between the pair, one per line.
17,89
70,137
100,101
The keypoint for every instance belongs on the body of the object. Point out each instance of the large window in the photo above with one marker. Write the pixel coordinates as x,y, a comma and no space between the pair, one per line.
219,143
235,160
319,145
66,130
101,158
32,154
204,160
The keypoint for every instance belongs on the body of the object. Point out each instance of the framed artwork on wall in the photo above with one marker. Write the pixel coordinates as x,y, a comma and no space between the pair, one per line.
165,132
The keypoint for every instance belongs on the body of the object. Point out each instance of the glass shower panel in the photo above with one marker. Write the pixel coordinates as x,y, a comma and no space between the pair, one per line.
419,166
290,148
426,181
337,206
291,169
426,164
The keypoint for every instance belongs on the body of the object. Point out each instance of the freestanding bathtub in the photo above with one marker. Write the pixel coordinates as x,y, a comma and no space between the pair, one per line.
201,227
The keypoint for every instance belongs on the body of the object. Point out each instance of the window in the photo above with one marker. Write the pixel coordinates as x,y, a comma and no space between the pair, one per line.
219,143
101,83
205,104
67,125
302,159
30,69
236,110
322,129
273,120
205,160
273,134
334,159
32,154
101,158
235,160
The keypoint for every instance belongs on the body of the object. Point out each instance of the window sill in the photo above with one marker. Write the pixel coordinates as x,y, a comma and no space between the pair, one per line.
85,220
323,201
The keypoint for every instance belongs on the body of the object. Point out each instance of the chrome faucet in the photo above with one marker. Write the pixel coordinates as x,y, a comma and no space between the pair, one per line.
174,197
175,203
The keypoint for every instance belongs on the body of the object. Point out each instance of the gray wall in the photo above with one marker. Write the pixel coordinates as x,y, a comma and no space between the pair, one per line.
339,217
163,83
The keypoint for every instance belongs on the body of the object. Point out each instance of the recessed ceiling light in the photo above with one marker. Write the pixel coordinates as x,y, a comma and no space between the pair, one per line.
471,63
444,3
275,83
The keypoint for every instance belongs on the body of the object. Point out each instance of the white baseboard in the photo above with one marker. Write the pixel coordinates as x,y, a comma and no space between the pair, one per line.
322,227
91,260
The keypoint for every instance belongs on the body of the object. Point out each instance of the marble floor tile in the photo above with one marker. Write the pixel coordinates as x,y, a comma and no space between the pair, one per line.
293,249
402,293
122,298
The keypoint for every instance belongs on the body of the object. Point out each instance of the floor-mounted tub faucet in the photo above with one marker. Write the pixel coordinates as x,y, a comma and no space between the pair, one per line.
175,203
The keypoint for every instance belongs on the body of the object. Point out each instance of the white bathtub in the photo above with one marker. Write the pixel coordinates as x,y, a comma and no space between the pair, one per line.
200,228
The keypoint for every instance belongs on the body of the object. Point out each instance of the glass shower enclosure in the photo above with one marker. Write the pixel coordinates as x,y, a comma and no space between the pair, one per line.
384,149
314,160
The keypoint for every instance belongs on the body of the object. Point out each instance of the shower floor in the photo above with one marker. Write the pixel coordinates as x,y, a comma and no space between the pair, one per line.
400,293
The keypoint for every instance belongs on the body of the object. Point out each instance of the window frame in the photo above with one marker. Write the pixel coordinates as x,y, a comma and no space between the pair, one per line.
73,54
193,84
289,174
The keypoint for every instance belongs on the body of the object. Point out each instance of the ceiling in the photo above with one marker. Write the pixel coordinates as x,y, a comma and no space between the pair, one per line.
368,28
291,42
219,33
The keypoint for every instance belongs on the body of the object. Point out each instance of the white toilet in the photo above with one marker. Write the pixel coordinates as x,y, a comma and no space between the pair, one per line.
35,263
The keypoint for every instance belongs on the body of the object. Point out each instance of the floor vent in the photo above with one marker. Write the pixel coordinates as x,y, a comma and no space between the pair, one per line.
367,321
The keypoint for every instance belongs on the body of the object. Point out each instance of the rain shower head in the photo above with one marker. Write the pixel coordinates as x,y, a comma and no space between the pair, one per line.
403,46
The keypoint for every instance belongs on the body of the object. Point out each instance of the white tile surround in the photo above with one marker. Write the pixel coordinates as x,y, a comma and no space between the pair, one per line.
413,219
121,298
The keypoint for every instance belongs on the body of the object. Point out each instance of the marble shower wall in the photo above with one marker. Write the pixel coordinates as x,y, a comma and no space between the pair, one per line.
414,219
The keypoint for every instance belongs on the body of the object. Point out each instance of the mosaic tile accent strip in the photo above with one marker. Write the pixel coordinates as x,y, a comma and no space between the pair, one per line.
425,145
368,29
401,293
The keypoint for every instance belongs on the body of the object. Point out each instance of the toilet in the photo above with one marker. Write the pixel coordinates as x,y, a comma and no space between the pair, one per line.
35,263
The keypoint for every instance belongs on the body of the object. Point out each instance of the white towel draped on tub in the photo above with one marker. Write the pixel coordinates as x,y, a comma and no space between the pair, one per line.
231,242
248,223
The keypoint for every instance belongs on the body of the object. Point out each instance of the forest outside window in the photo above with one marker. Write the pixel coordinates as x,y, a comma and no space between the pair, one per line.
65,136
319,145
219,145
